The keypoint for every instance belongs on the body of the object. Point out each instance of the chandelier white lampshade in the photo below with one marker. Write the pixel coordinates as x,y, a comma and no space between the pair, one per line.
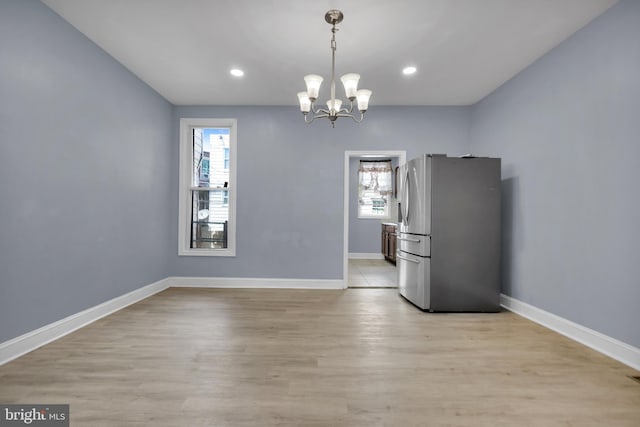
305,102
363,96
350,82
313,82
334,105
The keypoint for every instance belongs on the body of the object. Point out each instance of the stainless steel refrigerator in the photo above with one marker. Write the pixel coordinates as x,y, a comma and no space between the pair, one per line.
448,256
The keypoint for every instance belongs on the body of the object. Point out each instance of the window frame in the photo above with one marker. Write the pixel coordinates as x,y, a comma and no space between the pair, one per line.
185,186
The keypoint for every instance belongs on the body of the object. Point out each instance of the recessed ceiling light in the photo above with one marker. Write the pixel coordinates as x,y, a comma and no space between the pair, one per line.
236,72
409,70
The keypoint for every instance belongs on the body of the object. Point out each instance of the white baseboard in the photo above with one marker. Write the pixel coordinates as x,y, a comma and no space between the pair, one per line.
365,255
30,341
604,344
251,282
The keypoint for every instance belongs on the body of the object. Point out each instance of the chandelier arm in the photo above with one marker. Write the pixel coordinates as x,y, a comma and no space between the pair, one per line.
348,110
316,111
353,117
319,116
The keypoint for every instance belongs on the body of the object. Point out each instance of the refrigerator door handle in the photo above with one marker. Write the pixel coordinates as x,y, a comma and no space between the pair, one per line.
406,198
407,259
408,240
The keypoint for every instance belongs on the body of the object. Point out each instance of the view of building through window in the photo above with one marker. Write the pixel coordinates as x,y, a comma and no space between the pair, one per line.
374,188
210,188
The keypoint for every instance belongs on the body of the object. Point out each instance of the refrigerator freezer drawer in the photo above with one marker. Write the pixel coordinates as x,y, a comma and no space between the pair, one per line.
414,277
414,244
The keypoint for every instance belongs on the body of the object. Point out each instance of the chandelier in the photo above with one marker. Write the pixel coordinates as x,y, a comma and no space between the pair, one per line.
350,81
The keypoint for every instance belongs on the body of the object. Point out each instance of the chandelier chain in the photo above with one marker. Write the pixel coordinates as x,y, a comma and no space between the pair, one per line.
334,47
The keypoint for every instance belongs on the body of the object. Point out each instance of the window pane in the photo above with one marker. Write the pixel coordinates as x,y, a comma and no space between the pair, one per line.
210,157
209,219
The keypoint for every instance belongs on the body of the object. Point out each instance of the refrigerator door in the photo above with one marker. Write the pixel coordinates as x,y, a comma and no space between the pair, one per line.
414,278
415,196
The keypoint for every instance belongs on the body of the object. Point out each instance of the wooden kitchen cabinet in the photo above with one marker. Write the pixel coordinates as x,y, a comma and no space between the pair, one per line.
389,242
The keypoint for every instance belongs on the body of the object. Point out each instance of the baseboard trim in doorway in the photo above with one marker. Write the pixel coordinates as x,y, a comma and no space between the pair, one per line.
30,341
365,255
253,283
604,344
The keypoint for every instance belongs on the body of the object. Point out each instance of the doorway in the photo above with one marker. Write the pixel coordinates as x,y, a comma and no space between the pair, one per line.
368,270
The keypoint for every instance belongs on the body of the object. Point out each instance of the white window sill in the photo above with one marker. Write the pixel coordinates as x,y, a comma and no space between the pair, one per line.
207,252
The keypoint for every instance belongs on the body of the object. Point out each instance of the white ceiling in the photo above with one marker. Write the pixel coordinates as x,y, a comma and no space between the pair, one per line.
464,49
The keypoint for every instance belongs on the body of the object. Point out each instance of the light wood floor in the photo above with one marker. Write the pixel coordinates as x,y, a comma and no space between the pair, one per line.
360,357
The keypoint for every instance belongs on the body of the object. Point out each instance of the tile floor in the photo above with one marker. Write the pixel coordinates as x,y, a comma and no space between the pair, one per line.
372,273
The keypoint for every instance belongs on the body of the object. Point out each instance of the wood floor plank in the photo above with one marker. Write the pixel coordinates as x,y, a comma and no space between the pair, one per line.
360,357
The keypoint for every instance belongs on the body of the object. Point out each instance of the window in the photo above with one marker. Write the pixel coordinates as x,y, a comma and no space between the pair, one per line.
374,188
226,158
207,187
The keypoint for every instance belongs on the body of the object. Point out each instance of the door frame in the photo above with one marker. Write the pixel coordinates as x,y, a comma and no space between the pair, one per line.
402,159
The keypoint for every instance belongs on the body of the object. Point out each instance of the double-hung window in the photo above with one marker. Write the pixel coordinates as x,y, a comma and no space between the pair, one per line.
207,220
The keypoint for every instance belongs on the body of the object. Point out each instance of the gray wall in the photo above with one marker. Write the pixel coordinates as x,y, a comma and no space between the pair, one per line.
85,156
568,131
290,183
365,233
